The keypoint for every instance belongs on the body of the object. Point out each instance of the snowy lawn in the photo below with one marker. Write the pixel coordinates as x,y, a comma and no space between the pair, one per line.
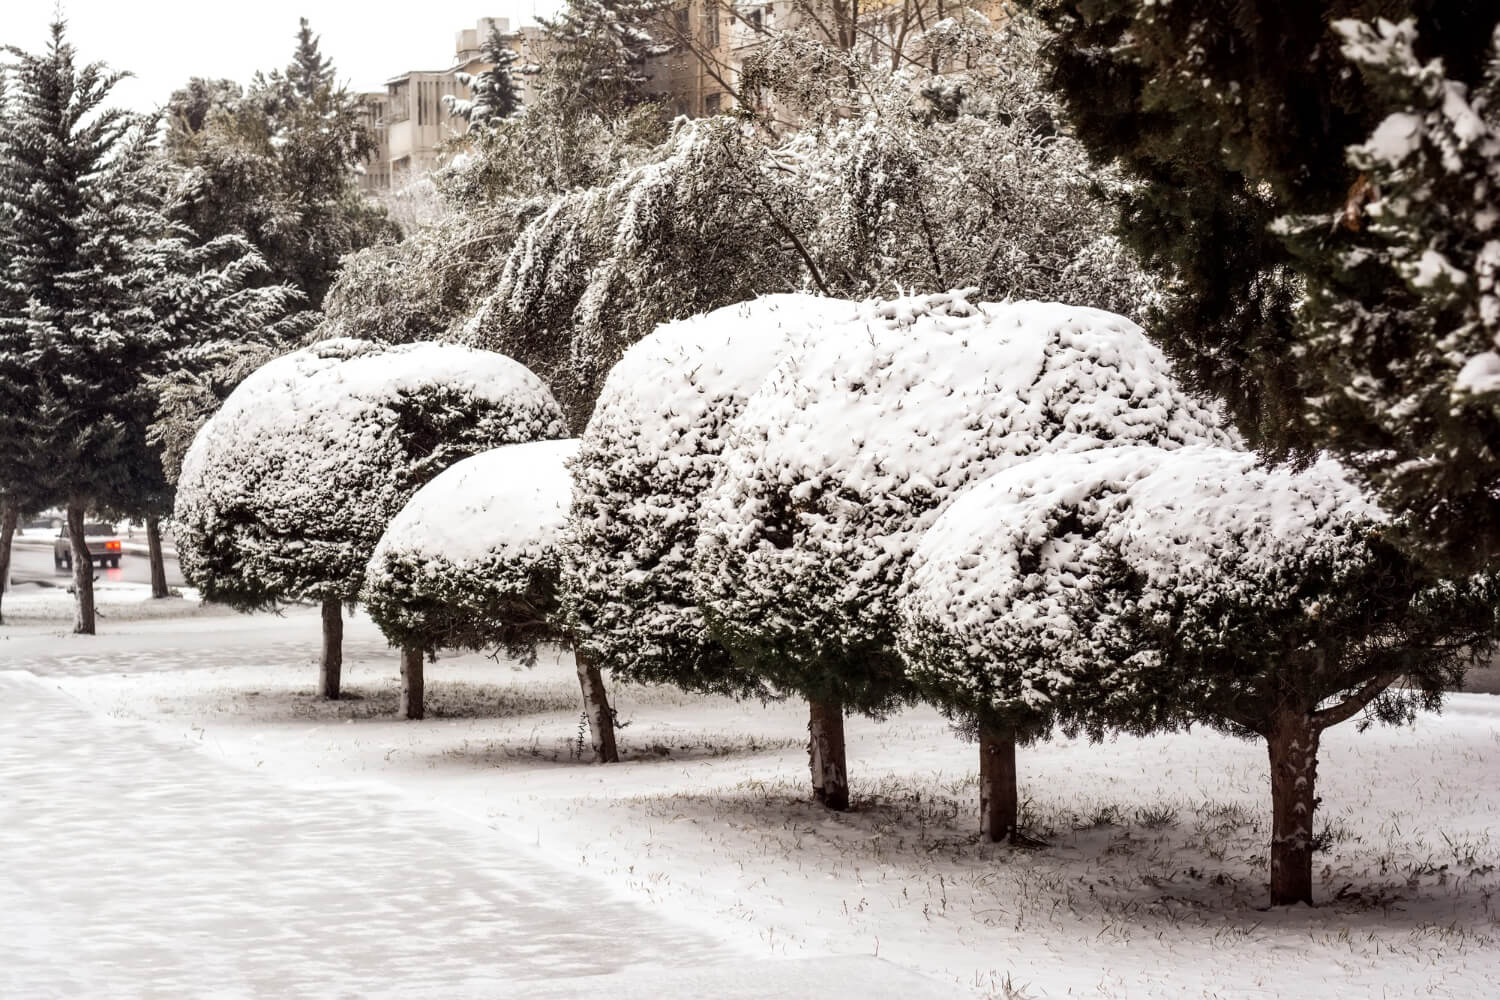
30,606
1151,883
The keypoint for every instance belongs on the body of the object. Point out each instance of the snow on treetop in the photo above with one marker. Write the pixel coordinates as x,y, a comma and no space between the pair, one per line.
837,463
1004,605
500,506
472,559
673,381
649,452
286,490
365,375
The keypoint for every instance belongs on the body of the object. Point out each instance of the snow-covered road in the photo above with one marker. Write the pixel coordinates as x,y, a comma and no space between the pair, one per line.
135,867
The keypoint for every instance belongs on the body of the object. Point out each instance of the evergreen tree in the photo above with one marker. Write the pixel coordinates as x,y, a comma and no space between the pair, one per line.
1240,123
599,49
74,334
310,73
286,490
848,450
277,166
472,562
189,109
494,93
1138,588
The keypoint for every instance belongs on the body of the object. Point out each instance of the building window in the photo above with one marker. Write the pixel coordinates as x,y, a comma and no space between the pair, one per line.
756,20
680,21
711,104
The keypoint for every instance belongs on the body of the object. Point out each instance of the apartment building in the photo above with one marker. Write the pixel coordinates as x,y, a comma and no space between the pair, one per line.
409,120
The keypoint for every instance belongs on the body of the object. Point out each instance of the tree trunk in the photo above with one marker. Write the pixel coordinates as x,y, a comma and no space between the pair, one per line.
1293,745
153,553
825,754
411,682
596,709
998,805
83,571
332,666
9,515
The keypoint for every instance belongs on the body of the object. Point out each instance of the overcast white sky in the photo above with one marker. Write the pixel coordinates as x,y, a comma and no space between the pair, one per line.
164,42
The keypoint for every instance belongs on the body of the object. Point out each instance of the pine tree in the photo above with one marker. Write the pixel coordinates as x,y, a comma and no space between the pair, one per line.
73,335
494,93
599,49
311,73
276,166
1238,124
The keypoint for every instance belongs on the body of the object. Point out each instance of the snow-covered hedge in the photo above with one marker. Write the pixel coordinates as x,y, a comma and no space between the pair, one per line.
841,460
649,453
472,560
285,492
1139,587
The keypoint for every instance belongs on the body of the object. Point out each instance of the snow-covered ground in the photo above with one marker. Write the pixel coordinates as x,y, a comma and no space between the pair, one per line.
481,824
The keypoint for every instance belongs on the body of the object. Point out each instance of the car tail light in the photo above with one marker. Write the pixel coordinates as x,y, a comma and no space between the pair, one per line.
111,546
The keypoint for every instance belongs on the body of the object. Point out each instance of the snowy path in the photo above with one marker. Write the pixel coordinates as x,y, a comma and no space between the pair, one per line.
135,867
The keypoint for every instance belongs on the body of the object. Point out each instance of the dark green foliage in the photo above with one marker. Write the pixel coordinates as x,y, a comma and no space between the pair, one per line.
512,609
598,50
1236,121
276,165
493,91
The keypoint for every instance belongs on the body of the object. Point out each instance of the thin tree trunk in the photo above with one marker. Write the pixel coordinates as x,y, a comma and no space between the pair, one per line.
332,666
596,709
153,553
825,754
9,515
412,685
83,571
998,805
1293,745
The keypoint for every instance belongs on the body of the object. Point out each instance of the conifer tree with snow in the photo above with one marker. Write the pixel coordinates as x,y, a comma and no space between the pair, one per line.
286,491
842,458
1312,185
492,92
472,562
647,458
277,165
78,236
1139,588
598,50
310,72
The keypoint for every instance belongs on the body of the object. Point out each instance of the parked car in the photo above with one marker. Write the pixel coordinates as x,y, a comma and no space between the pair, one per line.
103,542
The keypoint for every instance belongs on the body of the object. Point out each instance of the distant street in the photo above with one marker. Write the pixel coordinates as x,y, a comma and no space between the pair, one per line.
30,564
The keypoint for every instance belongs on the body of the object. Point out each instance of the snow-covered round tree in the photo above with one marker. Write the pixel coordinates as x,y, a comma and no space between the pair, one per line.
997,614
648,455
471,562
1267,602
841,459
285,492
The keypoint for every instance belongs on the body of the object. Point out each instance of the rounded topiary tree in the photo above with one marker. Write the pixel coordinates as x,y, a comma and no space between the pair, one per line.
1270,603
841,459
997,614
471,562
285,492
649,453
